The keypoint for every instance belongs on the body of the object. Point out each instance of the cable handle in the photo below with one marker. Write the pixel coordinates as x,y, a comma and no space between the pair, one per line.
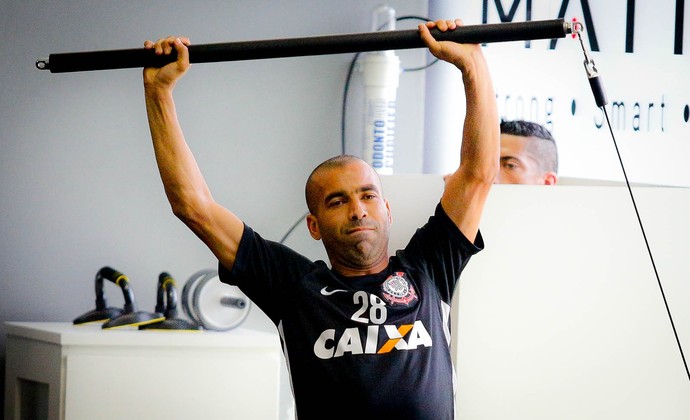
306,46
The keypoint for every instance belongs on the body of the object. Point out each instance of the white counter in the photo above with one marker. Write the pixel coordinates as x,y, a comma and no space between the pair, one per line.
84,372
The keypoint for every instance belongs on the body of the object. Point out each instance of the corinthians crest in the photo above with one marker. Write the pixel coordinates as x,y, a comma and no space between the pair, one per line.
397,290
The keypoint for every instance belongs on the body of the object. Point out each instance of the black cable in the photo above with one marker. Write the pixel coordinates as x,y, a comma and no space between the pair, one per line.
426,66
293,227
601,101
343,112
649,250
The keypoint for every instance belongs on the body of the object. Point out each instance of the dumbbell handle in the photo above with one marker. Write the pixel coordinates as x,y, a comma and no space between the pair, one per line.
233,302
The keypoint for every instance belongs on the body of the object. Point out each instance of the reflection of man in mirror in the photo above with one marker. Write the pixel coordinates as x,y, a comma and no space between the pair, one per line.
528,154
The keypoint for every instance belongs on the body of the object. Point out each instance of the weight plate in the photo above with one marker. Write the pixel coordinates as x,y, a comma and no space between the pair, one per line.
188,293
219,306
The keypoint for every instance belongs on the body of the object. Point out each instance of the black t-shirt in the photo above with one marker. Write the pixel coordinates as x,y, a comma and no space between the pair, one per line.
366,346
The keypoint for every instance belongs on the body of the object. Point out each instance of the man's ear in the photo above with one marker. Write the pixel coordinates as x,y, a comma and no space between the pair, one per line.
390,215
313,226
550,178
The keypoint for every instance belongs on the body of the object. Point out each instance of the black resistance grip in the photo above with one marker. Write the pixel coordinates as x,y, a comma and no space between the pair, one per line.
293,47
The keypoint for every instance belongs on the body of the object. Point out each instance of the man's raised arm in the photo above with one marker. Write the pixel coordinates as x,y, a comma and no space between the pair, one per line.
468,187
187,192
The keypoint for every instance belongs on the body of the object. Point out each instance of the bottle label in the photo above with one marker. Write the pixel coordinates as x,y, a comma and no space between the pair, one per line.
379,134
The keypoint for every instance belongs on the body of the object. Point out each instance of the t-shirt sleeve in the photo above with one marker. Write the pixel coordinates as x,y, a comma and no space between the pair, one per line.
440,250
262,269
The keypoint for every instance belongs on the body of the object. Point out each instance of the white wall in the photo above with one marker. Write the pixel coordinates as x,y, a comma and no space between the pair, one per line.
562,316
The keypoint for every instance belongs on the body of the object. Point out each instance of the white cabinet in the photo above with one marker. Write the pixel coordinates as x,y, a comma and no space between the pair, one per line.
62,371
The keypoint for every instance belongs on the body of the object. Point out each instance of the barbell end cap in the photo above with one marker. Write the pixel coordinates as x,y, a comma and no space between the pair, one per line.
43,64
575,27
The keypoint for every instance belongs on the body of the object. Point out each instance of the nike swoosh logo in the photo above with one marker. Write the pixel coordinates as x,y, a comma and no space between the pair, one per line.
330,292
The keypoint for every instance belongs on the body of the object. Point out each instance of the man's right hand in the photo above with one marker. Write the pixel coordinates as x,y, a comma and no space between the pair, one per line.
166,76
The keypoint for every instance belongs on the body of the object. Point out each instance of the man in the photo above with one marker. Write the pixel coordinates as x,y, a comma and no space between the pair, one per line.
528,154
369,336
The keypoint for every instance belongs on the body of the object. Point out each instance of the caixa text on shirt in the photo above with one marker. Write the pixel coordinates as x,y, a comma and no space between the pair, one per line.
369,340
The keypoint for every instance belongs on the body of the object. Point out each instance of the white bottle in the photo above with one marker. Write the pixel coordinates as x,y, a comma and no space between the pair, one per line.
381,74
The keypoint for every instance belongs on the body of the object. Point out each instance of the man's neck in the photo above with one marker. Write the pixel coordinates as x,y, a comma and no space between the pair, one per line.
347,271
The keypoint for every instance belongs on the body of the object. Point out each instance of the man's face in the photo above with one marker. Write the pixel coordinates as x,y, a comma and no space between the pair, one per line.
351,217
519,165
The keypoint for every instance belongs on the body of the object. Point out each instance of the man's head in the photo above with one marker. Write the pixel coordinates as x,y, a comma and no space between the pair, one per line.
528,154
349,214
